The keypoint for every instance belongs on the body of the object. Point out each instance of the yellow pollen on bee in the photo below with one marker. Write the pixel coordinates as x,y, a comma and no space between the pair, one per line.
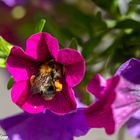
44,69
32,79
58,86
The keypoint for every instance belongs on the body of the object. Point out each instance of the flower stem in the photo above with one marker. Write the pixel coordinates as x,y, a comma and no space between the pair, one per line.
121,133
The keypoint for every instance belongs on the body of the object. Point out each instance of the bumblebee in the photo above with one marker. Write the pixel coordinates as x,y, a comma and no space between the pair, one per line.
46,82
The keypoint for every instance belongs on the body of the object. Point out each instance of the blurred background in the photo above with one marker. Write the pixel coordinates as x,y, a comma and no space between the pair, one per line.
106,33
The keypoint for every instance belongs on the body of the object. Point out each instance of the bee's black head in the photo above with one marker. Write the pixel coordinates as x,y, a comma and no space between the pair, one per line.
49,92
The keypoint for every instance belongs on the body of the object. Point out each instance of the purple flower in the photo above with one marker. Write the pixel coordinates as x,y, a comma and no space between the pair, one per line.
133,125
12,3
44,75
114,102
130,70
53,1
45,126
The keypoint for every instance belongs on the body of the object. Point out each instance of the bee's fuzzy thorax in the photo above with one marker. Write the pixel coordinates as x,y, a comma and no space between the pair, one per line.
44,69
46,81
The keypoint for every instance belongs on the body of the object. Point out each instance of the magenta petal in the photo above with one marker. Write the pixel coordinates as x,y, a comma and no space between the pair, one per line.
19,90
74,65
20,66
99,115
96,85
63,102
22,97
42,46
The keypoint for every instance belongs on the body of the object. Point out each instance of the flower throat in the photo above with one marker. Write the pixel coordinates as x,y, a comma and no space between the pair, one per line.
47,81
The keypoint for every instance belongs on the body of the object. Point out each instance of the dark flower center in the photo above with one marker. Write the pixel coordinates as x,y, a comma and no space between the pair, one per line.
47,81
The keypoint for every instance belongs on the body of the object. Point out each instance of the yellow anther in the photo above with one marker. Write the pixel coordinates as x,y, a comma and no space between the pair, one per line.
58,86
45,69
32,79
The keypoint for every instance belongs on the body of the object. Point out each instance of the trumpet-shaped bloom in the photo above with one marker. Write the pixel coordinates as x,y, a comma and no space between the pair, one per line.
44,75
130,70
115,102
45,126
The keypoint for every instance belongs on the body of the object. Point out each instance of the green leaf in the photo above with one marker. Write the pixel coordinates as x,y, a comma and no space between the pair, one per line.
76,21
90,45
40,26
2,62
128,24
5,47
101,25
111,8
10,83
73,44
53,29
2,55
135,2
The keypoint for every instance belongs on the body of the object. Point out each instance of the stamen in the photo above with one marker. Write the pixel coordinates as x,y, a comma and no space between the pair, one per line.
58,86
32,79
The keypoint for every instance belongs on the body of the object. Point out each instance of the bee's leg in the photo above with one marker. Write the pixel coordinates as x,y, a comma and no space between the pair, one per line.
32,78
56,74
58,86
